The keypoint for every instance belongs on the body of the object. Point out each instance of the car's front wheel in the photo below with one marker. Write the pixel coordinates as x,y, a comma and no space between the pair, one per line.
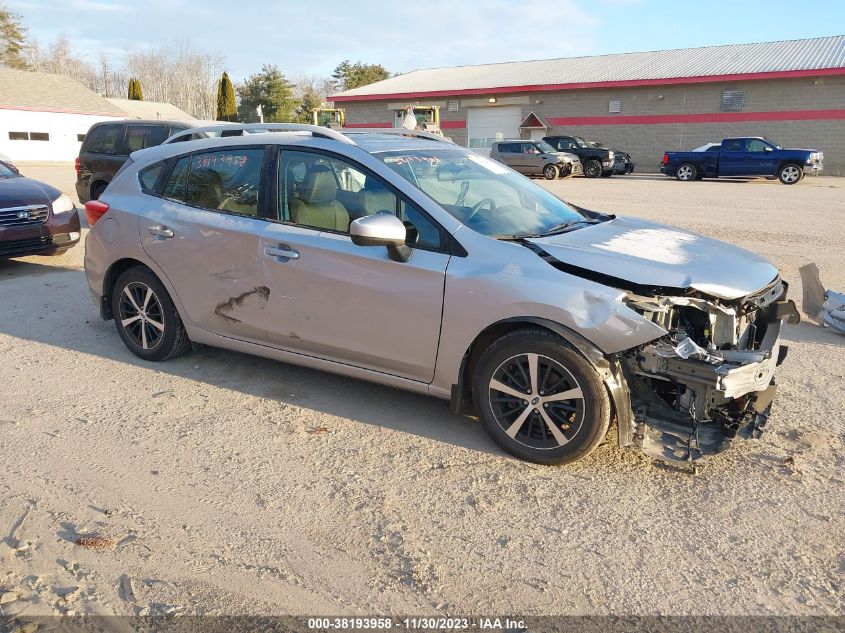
550,172
146,317
539,399
790,174
592,168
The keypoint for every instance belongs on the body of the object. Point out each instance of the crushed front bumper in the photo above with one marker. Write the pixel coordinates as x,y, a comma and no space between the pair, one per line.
717,399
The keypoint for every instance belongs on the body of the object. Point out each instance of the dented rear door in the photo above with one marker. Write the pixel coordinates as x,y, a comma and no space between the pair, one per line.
205,237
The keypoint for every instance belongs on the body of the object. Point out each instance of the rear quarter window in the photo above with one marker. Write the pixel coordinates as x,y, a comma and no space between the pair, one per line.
104,139
149,177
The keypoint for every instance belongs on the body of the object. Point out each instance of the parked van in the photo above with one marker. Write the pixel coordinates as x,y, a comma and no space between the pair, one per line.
107,146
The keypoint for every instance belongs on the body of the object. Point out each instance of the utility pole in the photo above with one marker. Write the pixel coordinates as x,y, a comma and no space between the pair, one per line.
260,112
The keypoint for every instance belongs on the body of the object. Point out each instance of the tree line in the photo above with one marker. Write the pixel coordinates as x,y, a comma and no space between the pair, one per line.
190,79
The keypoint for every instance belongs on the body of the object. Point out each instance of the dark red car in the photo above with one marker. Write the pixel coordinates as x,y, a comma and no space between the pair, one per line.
35,218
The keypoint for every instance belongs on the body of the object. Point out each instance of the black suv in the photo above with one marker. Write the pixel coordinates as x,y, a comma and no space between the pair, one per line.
107,146
596,161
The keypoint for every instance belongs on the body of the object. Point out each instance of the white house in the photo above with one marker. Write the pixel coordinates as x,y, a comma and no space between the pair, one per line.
45,117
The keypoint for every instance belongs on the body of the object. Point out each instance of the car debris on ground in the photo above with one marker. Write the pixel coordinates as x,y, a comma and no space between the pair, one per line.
825,307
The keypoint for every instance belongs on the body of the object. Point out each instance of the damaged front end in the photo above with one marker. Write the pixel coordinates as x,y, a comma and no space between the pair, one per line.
711,377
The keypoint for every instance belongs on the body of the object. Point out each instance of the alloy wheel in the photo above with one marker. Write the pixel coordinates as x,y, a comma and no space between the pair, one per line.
141,315
790,174
685,172
536,401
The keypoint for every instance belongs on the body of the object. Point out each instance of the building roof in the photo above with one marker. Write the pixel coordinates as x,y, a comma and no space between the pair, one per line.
792,58
151,110
26,90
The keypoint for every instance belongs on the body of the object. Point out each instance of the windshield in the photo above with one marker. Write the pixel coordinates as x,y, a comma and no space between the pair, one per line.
6,171
483,194
771,142
545,147
580,142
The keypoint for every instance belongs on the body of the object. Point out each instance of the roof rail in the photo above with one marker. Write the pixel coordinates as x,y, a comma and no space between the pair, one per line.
257,128
399,132
343,135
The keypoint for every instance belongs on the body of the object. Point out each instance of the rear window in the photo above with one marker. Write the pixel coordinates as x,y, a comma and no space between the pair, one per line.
143,136
104,139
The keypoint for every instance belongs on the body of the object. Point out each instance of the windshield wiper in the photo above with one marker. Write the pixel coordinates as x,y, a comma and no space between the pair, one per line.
565,227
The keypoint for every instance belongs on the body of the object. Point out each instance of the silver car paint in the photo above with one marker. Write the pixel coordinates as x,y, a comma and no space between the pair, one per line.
642,252
495,282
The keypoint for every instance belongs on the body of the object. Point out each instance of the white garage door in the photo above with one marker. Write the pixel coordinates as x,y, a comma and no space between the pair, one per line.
485,125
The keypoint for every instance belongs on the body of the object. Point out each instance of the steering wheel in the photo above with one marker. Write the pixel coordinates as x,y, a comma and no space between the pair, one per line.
479,205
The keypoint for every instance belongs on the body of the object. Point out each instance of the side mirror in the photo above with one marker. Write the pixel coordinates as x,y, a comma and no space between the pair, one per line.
382,229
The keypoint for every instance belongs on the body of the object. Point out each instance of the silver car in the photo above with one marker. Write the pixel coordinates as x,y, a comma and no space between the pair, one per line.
402,259
536,158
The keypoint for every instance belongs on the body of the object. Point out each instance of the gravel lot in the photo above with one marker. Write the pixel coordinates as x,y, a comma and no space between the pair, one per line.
231,484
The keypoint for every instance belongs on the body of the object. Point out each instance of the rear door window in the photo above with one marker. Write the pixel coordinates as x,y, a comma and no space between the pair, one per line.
174,188
226,180
105,139
143,136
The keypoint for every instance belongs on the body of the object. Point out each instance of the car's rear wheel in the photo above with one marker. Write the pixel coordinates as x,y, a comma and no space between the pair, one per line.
686,172
97,190
539,399
592,168
790,174
146,317
550,172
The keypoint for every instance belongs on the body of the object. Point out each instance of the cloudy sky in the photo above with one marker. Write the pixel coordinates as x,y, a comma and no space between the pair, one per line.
312,37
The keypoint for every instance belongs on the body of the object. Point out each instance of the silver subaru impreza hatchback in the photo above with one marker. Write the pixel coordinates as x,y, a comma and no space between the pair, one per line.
404,259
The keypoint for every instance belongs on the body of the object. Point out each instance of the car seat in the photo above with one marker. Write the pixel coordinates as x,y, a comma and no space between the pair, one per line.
315,204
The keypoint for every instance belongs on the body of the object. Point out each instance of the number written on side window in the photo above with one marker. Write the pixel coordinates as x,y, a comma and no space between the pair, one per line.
226,181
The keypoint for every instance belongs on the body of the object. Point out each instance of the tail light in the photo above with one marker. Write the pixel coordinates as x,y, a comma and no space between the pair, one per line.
76,165
665,159
94,210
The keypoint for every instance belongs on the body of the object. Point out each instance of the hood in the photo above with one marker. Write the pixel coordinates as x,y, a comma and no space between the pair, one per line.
572,158
655,255
21,191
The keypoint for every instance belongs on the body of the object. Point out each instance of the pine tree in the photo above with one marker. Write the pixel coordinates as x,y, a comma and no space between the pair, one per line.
135,93
12,40
272,92
226,107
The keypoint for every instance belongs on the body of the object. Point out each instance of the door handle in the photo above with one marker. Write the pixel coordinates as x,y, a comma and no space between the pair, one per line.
159,230
283,253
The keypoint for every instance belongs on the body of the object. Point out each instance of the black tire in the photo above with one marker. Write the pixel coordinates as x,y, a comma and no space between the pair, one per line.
686,172
592,168
550,172
581,421
97,190
159,328
791,174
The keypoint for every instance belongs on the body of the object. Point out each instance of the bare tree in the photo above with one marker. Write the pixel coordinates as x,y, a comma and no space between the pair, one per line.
180,75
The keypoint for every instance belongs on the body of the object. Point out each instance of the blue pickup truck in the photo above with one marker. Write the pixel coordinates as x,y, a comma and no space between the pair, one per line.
743,157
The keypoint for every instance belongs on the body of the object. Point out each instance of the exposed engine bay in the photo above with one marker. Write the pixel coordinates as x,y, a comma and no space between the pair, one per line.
712,376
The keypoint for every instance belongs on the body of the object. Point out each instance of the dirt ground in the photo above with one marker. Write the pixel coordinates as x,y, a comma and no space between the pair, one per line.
228,484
